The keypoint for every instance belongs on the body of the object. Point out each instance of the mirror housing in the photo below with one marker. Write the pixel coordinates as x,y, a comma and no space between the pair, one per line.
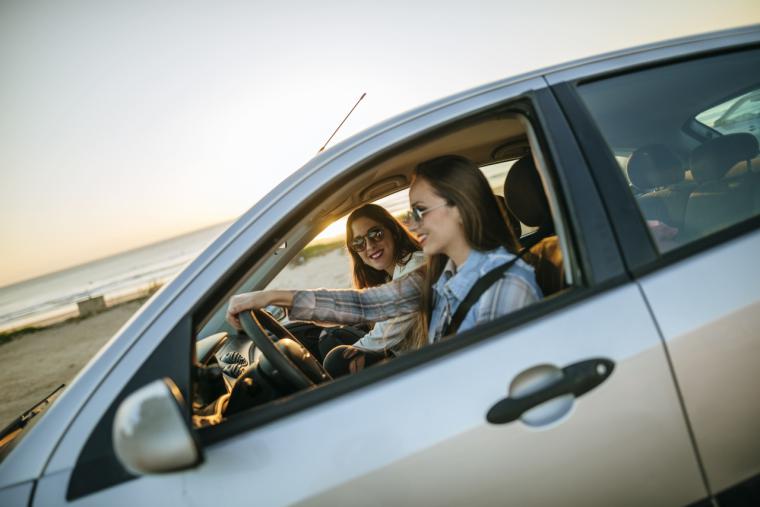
150,433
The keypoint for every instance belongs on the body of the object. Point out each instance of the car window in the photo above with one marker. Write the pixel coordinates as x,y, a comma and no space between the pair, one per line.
322,263
686,188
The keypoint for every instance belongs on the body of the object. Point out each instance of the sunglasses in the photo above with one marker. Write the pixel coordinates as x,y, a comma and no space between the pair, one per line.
359,243
415,215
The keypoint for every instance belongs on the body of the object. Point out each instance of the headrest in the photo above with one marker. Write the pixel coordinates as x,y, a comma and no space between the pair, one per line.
654,166
512,220
713,159
524,194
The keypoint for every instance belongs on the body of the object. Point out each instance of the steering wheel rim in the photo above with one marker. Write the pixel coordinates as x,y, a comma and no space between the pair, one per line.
253,325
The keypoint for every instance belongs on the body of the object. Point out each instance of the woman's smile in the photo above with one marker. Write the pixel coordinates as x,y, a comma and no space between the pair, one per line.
376,254
377,249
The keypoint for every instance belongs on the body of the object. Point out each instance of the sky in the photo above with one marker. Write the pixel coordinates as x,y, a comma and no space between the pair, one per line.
124,123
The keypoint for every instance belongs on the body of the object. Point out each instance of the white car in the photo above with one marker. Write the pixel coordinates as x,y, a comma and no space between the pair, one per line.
633,382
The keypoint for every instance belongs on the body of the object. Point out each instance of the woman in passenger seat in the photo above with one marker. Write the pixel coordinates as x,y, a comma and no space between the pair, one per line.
381,250
464,234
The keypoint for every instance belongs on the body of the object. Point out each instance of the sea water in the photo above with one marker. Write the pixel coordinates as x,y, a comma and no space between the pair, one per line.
53,297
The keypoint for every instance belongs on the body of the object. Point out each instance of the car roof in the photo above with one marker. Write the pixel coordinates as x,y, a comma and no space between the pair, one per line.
688,44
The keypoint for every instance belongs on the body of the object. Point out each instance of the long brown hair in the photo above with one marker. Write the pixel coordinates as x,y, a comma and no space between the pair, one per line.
460,182
404,245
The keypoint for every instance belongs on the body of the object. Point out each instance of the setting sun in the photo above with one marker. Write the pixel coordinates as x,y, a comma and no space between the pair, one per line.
333,231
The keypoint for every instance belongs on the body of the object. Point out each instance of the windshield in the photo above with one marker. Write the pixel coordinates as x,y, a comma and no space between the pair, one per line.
738,114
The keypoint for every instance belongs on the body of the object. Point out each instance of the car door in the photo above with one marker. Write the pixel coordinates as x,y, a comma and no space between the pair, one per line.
415,430
702,283
421,438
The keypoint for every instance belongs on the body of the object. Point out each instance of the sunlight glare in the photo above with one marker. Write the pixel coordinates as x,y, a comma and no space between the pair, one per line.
335,230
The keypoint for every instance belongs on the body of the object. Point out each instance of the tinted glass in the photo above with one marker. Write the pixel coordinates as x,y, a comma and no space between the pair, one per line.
687,138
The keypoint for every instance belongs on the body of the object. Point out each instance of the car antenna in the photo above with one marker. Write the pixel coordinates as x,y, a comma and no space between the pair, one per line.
341,123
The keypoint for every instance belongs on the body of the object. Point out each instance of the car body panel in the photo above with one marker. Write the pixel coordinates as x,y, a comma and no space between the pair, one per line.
18,494
714,341
159,489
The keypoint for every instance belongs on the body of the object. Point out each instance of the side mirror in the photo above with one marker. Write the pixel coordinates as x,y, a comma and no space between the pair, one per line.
150,433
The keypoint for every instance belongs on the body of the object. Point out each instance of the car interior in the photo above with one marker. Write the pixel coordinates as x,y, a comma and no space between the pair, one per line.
718,189
688,145
237,371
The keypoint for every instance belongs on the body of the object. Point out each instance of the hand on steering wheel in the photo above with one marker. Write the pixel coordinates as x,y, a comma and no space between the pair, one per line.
259,326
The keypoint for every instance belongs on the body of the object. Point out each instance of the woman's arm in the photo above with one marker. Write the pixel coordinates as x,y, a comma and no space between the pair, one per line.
256,300
399,297
396,298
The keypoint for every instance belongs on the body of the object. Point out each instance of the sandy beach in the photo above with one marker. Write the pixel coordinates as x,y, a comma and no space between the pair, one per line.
34,363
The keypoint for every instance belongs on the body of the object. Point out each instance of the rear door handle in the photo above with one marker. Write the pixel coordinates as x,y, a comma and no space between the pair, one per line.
577,379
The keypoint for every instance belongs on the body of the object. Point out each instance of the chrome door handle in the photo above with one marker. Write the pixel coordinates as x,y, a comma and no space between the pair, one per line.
577,379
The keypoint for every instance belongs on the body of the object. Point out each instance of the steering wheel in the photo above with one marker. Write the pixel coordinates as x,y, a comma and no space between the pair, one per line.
256,323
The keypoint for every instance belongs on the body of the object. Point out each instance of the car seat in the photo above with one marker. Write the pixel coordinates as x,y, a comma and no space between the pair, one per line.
723,196
658,176
525,198
512,221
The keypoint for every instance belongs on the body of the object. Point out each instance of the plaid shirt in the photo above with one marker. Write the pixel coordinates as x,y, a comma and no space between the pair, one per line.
517,288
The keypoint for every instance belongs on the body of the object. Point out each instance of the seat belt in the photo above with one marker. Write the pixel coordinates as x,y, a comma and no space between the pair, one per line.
476,291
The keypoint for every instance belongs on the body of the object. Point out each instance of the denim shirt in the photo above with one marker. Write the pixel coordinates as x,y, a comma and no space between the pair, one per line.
515,289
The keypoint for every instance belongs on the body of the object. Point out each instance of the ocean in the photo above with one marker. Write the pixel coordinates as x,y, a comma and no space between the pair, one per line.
53,297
